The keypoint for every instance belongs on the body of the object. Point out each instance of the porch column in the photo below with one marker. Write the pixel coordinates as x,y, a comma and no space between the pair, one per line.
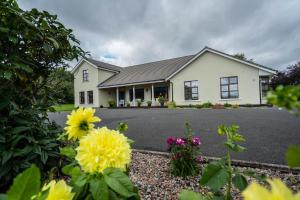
152,90
133,94
117,94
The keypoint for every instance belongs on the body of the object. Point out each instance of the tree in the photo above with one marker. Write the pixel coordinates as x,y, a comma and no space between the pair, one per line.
242,56
289,77
32,45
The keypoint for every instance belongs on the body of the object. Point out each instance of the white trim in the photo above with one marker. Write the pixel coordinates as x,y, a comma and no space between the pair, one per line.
95,66
199,100
131,84
221,54
233,99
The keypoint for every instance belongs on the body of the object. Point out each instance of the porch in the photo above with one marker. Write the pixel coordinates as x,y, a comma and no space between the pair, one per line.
125,96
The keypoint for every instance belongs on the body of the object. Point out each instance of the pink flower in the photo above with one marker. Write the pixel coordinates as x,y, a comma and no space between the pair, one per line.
200,159
180,141
171,140
196,141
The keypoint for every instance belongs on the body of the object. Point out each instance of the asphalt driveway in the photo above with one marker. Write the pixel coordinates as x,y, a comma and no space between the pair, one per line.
268,131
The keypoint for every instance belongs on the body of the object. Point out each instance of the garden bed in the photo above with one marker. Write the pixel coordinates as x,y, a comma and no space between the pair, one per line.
150,173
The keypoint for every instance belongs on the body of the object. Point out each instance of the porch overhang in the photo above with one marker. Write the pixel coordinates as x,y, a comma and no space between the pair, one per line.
132,84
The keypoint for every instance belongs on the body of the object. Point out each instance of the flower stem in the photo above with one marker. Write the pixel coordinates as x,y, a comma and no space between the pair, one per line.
228,193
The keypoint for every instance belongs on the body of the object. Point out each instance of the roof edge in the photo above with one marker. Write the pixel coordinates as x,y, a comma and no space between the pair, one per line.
131,84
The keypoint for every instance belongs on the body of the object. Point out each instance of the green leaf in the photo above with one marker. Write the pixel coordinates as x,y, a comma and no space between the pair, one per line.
25,185
6,155
130,141
68,151
99,189
3,197
293,156
55,43
80,180
20,129
240,182
190,195
119,182
214,176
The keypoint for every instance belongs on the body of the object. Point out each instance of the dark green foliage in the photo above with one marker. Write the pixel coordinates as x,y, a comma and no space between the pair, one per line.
289,77
227,105
207,105
32,45
112,104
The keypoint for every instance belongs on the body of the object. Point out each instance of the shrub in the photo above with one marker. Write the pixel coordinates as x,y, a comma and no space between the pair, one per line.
161,99
128,104
171,104
227,105
185,154
235,106
88,177
149,103
198,106
207,105
112,104
139,103
218,106
33,45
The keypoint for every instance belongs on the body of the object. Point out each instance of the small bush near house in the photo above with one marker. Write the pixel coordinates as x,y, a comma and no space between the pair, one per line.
161,100
198,106
139,103
112,104
207,105
185,154
128,104
171,104
218,106
149,103
235,106
227,105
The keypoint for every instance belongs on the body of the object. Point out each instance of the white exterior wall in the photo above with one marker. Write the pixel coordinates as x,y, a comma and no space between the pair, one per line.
208,69
94,78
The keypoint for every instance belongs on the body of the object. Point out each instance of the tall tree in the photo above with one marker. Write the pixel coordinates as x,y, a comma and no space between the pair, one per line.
291,76
32,45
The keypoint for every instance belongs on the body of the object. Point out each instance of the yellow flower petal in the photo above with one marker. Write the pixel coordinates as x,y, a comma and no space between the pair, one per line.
103,148
256,192
80,122
59,191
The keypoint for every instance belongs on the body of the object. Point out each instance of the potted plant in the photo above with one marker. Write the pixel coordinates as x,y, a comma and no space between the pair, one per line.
161,100
139,103
128,104
149,103
112,104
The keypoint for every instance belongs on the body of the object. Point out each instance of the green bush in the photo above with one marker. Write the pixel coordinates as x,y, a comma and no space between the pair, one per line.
112,104
207,105
161,100
128,104
139,103
227,105
33,44
171,104
149,103
198,106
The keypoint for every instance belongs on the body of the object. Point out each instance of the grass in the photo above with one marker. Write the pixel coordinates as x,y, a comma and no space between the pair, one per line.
64,107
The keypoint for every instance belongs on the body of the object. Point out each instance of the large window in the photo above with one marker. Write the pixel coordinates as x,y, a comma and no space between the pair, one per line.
85,75
191,90
229,87
90,97
264,81
139,94
81,97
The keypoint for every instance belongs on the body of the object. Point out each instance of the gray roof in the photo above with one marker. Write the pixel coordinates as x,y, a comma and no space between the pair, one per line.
147,72
104,65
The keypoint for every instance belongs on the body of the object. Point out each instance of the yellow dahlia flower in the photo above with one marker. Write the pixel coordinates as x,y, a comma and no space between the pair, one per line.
59,191
279,191
103,148
80,122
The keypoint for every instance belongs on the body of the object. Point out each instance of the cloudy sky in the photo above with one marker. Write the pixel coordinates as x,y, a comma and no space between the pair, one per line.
137,31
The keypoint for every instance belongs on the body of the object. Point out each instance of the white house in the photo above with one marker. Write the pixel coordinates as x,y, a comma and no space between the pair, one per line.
209,75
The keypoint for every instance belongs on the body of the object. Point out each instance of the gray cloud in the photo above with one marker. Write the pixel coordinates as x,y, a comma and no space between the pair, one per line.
135,31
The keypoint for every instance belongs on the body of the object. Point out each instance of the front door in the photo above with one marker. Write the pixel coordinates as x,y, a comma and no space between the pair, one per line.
122,98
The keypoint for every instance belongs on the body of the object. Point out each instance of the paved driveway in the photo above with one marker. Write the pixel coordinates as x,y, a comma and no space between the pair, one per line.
268,131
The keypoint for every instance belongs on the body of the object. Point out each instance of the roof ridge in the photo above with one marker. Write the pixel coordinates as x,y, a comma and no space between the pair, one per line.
159,60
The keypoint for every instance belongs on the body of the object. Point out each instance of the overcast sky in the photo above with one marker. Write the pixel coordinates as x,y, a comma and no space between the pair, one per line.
137,31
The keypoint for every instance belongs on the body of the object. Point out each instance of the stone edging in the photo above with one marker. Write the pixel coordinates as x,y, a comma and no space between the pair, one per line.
238,163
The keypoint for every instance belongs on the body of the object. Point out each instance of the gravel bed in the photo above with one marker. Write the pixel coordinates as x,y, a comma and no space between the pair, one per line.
150,173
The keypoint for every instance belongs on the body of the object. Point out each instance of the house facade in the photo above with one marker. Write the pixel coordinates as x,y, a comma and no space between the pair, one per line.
208,76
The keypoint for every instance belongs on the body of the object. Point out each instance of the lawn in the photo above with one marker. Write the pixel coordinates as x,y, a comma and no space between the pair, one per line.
64,107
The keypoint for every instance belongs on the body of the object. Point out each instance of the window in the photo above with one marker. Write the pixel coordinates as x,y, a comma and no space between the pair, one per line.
229,87
161,91
191,90
81,97
264,81
85,75
90,97
139,94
